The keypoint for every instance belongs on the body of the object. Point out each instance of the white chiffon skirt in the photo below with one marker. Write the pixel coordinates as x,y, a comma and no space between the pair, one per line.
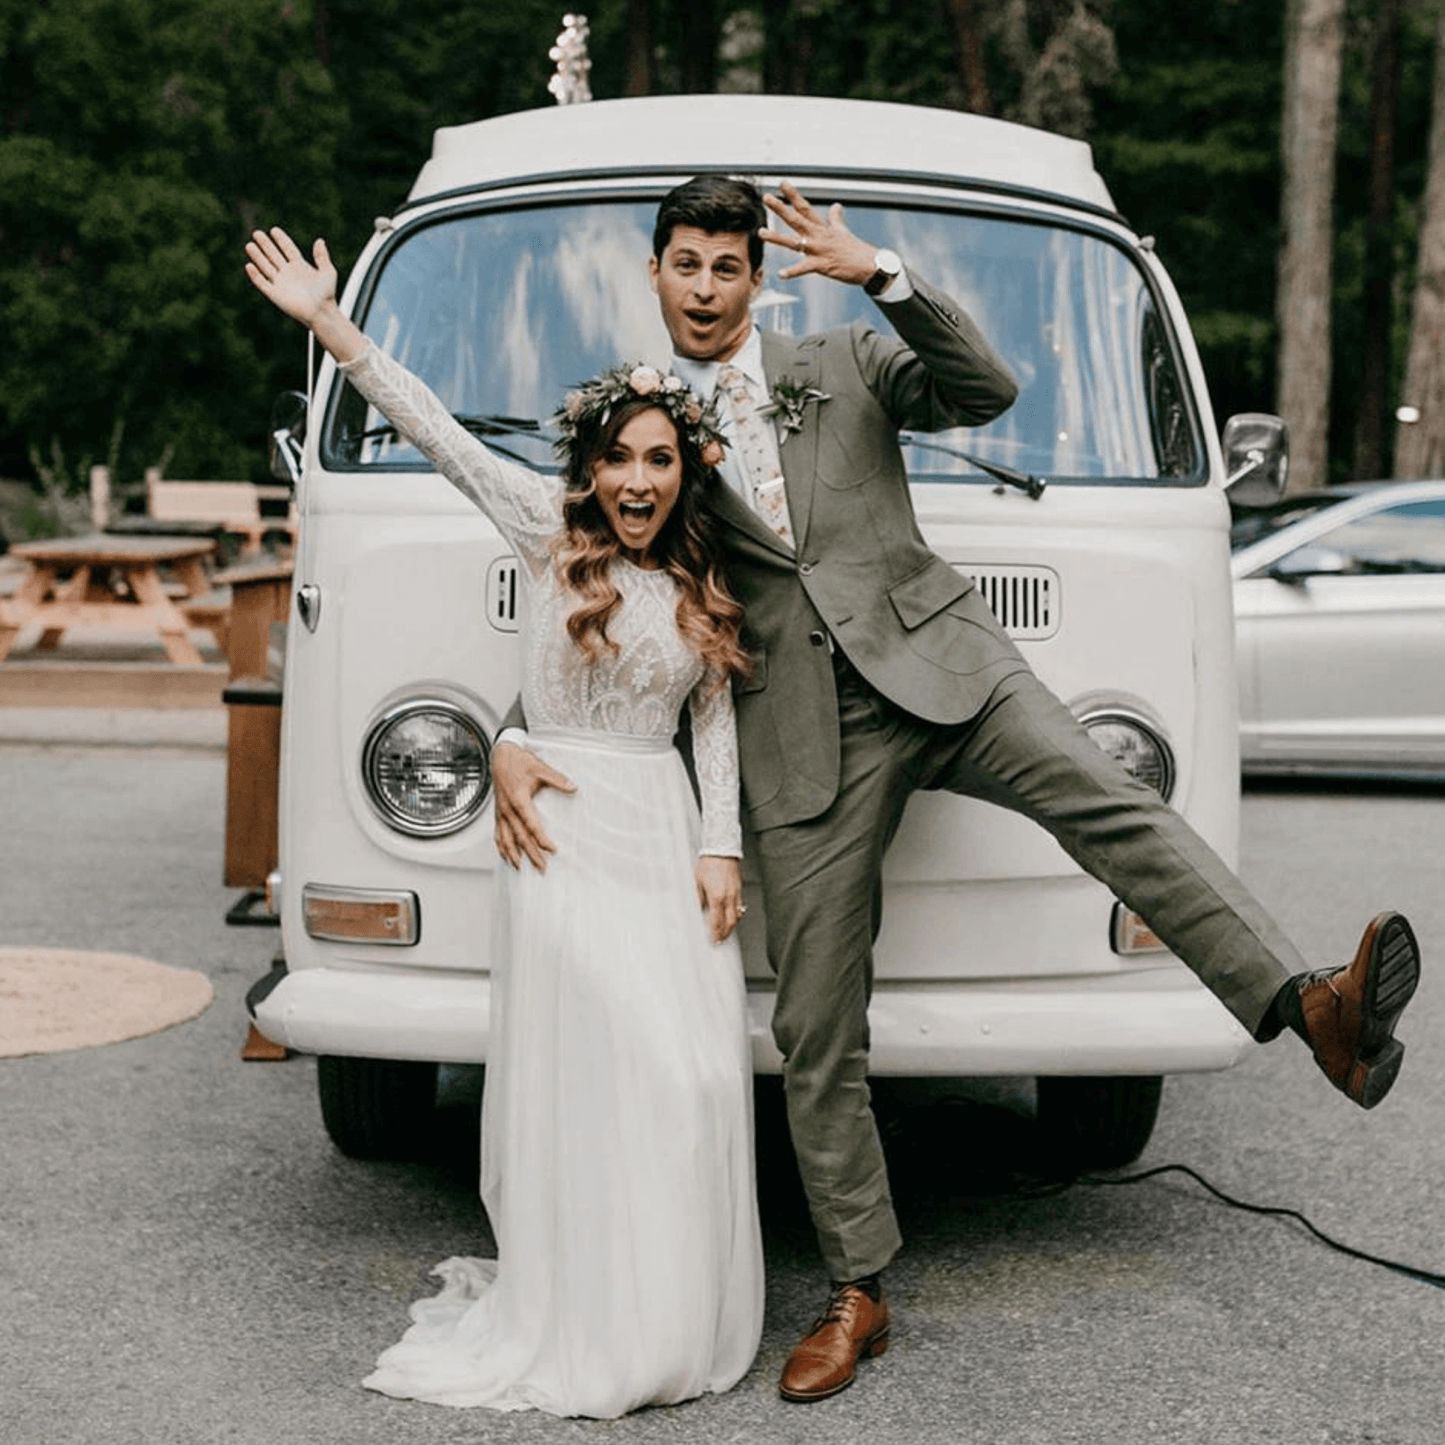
617,1157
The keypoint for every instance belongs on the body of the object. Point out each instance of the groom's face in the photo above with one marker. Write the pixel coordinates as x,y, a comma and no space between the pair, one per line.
705,284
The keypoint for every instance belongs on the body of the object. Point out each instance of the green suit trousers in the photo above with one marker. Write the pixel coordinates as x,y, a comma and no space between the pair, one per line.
822,886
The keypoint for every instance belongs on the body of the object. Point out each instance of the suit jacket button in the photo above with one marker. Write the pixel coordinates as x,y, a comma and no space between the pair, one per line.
818,639
806,569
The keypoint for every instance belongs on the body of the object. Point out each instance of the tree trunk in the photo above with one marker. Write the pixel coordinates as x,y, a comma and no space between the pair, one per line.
322,32
791,28
1308,127
1371,425
968,43
1420,446
637,63
697,61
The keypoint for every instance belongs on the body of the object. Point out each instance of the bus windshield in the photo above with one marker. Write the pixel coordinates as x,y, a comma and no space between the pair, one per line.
501,310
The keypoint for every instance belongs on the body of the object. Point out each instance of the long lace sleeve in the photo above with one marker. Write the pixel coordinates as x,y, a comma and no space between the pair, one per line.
715,759
526,507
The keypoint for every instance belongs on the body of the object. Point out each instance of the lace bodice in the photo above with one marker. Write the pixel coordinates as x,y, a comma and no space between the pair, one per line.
636,692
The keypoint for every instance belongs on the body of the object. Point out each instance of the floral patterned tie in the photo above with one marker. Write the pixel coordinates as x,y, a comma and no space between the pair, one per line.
758,453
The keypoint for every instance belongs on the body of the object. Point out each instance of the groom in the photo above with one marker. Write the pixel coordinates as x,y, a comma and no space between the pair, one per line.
878,669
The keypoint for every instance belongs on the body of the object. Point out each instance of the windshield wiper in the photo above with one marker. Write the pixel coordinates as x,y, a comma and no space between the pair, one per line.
486,424
1024,481
489,424
1397,566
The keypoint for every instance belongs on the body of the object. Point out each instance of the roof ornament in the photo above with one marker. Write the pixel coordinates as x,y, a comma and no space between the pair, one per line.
569,84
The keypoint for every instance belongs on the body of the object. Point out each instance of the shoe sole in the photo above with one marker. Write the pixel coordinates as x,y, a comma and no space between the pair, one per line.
1393,973
870,1348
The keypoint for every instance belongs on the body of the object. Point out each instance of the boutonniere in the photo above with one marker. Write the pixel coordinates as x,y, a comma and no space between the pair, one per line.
788,399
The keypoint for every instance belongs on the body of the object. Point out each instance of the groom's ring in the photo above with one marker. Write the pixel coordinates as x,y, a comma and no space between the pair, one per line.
802,248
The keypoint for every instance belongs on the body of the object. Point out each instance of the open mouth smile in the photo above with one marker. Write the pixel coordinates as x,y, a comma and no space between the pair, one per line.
636,511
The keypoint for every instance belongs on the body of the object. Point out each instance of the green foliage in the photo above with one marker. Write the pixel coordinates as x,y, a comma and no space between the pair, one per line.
410,66
1412,121
1187,138
142,140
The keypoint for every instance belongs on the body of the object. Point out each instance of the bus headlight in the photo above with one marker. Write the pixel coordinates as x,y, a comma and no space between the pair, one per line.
1132,741
426,768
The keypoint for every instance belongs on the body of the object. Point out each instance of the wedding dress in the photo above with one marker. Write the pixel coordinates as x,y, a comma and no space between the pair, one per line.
617,1161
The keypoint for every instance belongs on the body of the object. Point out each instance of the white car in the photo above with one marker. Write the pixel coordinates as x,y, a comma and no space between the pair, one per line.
1339,598
1092,514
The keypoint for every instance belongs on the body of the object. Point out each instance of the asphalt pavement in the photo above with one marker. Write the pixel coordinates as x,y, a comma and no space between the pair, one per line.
187,1259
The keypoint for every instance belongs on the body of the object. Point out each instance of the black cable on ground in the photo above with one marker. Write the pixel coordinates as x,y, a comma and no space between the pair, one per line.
1426,1276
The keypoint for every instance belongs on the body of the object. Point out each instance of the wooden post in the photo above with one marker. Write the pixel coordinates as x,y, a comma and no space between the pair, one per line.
100,497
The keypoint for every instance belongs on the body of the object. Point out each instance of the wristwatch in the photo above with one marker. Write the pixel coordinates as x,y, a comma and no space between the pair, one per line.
886,266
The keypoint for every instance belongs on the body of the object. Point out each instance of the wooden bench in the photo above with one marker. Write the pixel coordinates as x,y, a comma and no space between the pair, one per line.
109,582
231,506
210,610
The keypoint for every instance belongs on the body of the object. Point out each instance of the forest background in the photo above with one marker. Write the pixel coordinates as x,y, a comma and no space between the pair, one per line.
142,140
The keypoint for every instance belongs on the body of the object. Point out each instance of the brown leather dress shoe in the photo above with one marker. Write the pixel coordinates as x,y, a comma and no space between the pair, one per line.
826,1360
1350,1013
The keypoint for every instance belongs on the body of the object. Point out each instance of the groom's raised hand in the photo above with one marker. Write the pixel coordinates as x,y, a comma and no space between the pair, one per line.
822,243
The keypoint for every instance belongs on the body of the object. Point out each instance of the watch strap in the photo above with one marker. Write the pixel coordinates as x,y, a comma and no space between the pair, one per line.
887,267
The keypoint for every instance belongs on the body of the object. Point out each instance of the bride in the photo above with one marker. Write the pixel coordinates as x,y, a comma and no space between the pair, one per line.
617,1161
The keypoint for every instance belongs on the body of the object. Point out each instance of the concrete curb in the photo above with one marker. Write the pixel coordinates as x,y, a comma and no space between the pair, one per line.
100,689
105,683
197,728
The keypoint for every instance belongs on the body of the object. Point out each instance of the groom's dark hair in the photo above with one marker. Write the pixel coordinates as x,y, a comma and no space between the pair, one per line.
715,204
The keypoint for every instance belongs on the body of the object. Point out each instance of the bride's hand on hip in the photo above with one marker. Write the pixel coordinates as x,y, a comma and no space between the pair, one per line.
720,893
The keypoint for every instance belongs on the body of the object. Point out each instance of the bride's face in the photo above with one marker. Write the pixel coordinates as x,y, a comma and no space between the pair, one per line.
638,479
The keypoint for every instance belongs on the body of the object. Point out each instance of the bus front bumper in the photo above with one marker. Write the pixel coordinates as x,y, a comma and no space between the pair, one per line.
1150,1021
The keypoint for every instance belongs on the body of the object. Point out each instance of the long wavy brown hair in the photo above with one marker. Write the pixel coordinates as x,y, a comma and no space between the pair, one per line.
687,547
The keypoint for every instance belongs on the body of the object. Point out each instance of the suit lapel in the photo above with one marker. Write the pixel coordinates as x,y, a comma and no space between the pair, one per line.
797,450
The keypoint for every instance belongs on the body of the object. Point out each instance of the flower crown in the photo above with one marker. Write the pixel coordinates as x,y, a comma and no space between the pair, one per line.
592,402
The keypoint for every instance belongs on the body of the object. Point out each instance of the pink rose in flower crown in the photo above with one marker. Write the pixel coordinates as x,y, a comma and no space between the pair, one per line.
645,380
712,453
693,411
671,383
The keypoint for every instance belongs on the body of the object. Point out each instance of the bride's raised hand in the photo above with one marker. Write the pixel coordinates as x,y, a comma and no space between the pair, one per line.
282,274
304,290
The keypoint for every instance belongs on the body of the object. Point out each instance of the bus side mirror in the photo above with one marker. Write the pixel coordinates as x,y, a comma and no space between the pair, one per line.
286,436
1256,458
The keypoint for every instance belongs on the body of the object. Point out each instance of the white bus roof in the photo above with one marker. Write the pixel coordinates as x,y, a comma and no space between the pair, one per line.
767,134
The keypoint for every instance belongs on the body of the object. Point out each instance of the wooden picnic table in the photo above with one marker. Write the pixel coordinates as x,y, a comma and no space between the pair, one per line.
107,581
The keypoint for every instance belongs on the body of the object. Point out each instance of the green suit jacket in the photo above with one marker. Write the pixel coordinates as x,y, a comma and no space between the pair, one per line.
861,572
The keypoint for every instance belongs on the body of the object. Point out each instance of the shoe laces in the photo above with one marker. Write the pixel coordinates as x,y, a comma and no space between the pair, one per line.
841,1307
1326,976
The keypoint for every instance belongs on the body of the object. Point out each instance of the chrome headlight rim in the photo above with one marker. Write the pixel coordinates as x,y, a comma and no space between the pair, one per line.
1140,722
397,818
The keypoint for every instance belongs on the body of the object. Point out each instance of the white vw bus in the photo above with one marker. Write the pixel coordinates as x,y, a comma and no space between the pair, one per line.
1092,513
